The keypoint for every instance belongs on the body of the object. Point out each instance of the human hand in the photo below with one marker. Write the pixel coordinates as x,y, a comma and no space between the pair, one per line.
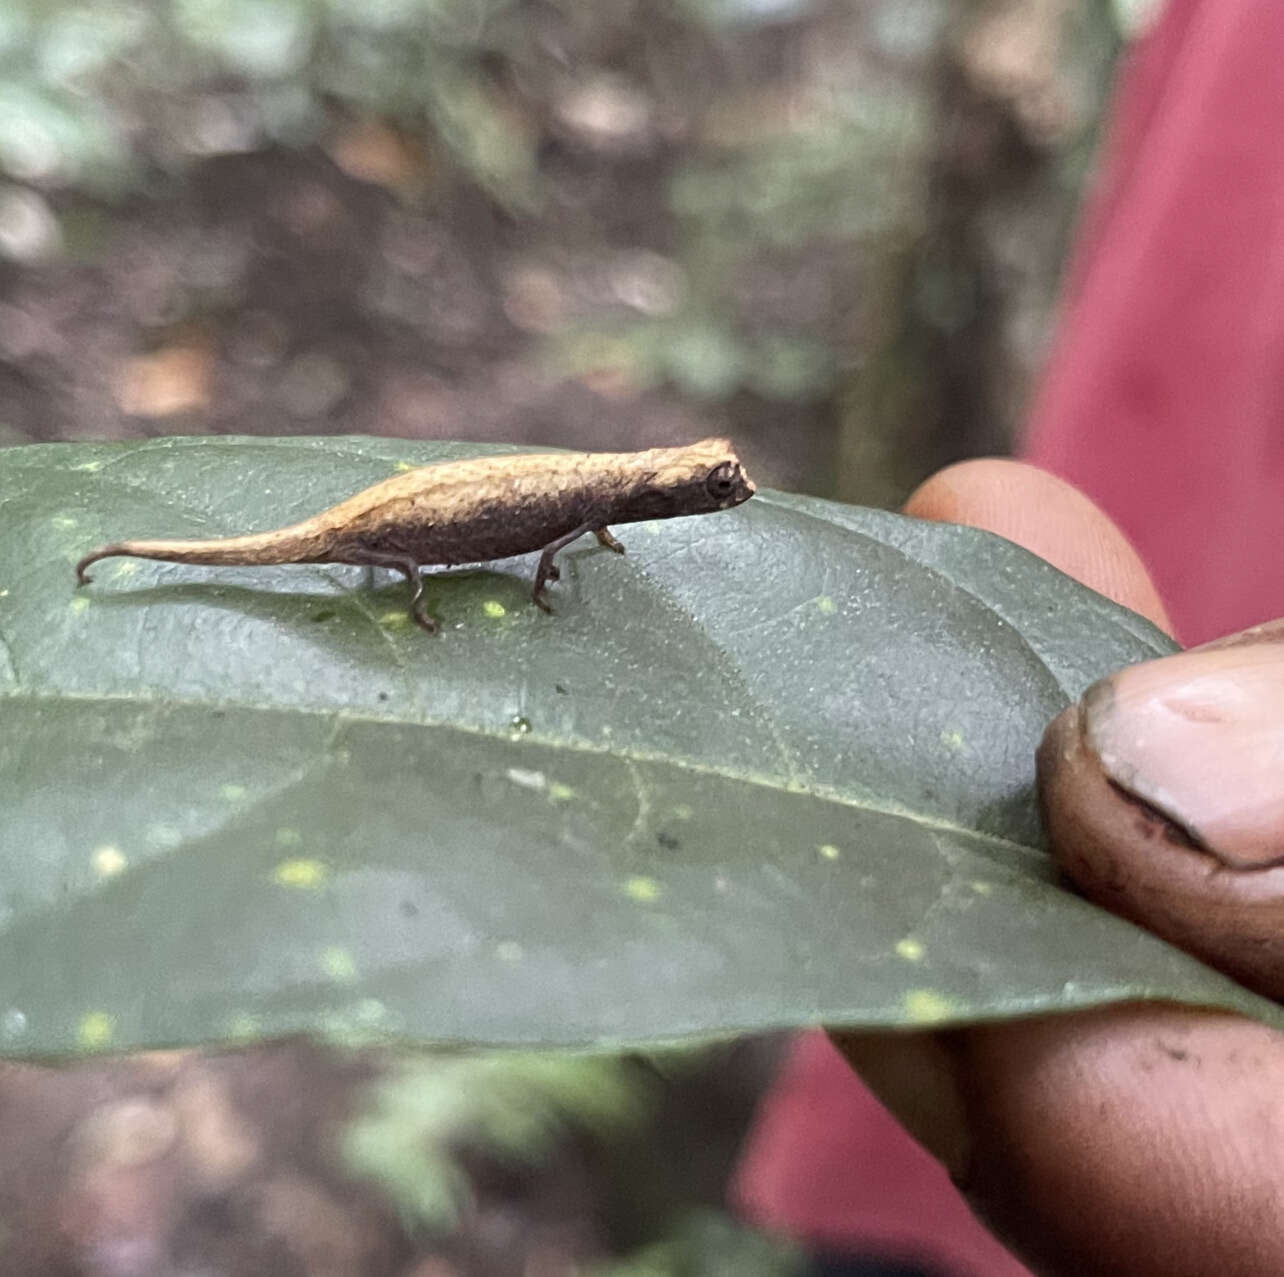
1148,1138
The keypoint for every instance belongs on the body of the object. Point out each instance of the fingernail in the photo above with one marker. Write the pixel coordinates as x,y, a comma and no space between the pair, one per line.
1200,737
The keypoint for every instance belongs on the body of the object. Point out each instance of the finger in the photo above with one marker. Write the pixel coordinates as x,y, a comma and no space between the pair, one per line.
1141,1140
1161,793
1048,516
1133,1140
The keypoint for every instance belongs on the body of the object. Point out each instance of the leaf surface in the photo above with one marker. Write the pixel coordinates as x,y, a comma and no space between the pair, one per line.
774,767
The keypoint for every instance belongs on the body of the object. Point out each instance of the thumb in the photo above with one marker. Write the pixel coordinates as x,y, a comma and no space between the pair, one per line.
1162,795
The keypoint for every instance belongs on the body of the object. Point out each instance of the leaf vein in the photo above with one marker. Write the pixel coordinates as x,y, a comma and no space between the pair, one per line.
1005,846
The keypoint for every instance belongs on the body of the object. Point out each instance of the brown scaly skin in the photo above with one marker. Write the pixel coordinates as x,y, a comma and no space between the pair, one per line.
481,509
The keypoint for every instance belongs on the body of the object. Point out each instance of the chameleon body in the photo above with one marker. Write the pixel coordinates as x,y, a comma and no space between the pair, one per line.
484,508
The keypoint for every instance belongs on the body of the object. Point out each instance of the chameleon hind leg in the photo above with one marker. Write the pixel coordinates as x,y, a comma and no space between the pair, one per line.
410,569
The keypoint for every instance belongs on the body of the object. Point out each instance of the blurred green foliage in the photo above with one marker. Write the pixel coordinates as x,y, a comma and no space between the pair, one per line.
846,213
429,1111
446,1137
91,95
708,1243
106,98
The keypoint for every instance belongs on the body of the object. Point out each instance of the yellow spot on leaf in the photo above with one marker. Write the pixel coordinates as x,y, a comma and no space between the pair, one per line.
952,739
394,618
526,778
96,1030
403,466
89,467
339,965
925,1006
4,594
828,851
288,838
370,1011
307,874
910,949
644,890
243,1026
682,812
559,793
494,608
826,606
509,951
231,792
981,887
108,861
63,521
80,603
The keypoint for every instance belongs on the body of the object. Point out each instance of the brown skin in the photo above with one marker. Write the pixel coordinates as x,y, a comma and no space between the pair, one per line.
481,509
1108,837
1145,1140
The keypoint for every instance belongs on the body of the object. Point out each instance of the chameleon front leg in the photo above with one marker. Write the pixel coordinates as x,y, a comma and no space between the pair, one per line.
547,569
406,565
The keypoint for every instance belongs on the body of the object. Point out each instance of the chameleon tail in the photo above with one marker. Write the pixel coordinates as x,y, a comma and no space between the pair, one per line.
299,544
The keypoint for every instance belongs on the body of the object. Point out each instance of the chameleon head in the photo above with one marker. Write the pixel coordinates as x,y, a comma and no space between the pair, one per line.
694,479
725,483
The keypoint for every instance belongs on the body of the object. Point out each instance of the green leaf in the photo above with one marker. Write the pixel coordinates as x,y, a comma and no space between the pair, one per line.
774,767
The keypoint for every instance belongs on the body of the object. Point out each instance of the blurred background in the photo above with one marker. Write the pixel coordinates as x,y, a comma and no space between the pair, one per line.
832,230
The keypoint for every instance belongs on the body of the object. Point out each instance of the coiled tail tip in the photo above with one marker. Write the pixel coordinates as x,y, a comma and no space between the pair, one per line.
104,552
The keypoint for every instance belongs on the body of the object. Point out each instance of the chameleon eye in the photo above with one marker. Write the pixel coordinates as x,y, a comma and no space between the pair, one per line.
721,481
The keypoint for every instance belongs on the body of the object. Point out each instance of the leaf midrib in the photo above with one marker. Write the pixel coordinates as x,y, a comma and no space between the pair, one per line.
779,785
